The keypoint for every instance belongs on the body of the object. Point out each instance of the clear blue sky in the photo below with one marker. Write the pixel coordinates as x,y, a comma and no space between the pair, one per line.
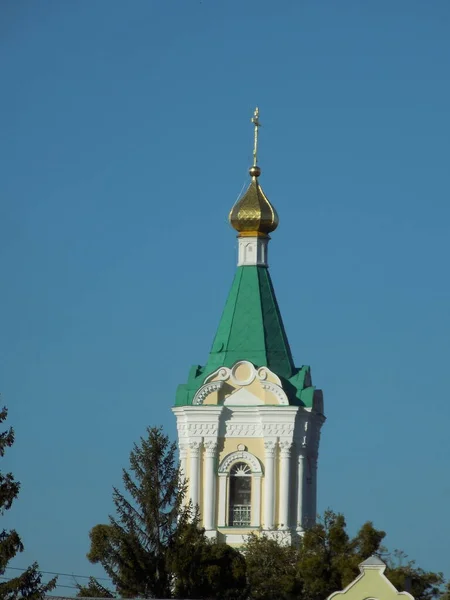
125,141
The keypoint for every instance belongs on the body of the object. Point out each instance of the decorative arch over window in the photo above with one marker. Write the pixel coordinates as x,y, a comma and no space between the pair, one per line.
240,490
240,455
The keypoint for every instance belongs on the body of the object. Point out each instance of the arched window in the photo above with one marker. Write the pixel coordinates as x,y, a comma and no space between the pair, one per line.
239,498
240,495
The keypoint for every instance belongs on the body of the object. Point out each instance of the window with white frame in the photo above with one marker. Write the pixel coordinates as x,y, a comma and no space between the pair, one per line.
240,494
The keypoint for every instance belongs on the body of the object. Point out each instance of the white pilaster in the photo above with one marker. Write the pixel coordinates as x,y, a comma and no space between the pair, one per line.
300,490
183,452
222,513
313,513
269,484
194,482
285,456
256,503
252,251
209,487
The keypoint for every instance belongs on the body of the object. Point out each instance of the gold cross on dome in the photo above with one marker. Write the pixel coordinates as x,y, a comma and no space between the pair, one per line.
257,124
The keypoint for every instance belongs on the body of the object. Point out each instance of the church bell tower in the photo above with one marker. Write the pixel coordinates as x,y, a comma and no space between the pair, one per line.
249,420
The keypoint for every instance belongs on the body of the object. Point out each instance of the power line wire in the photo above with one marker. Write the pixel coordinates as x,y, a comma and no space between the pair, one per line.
63,574
72,587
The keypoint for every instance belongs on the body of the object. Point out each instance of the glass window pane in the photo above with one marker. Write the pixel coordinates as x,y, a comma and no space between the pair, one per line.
240,495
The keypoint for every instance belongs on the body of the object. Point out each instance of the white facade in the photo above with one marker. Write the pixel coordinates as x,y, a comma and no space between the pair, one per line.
241,417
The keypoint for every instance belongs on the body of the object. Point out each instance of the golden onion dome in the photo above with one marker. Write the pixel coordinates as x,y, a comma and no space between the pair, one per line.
253,215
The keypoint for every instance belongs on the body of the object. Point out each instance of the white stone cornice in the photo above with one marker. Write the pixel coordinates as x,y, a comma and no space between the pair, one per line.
281,429
243,429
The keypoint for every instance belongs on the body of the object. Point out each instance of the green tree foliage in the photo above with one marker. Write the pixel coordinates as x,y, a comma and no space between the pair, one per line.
153,547
271,569
223,571
327,560
135,547
446,593
406,576
28,585
94,589
204,569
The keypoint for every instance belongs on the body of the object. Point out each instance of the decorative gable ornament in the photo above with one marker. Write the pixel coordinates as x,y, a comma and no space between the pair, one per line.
371,583
242,385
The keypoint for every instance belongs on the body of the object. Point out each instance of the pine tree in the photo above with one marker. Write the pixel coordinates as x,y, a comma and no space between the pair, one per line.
136,547
93,589
28,585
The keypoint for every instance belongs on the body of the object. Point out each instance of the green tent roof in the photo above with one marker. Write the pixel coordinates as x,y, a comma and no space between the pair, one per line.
251,327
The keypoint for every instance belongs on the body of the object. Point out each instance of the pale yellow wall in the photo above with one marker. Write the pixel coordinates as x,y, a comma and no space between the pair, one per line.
227,446
371,584
256,447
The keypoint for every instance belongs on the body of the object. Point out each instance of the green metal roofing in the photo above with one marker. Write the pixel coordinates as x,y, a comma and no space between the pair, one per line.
251,328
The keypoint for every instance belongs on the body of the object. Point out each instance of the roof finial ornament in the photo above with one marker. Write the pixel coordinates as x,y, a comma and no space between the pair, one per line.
255,171
253,215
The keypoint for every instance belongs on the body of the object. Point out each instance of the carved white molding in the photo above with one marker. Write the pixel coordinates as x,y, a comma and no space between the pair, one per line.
278,429
205,391
194,447
202,429
269,448
285,448
234,429
247,380
225,374
249,458
277,391
210,448
263,373
292,434
182,429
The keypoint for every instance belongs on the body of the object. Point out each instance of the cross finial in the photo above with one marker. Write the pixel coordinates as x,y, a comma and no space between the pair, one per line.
257,124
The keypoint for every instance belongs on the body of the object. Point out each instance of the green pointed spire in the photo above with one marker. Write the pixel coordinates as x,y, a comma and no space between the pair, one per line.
251,326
